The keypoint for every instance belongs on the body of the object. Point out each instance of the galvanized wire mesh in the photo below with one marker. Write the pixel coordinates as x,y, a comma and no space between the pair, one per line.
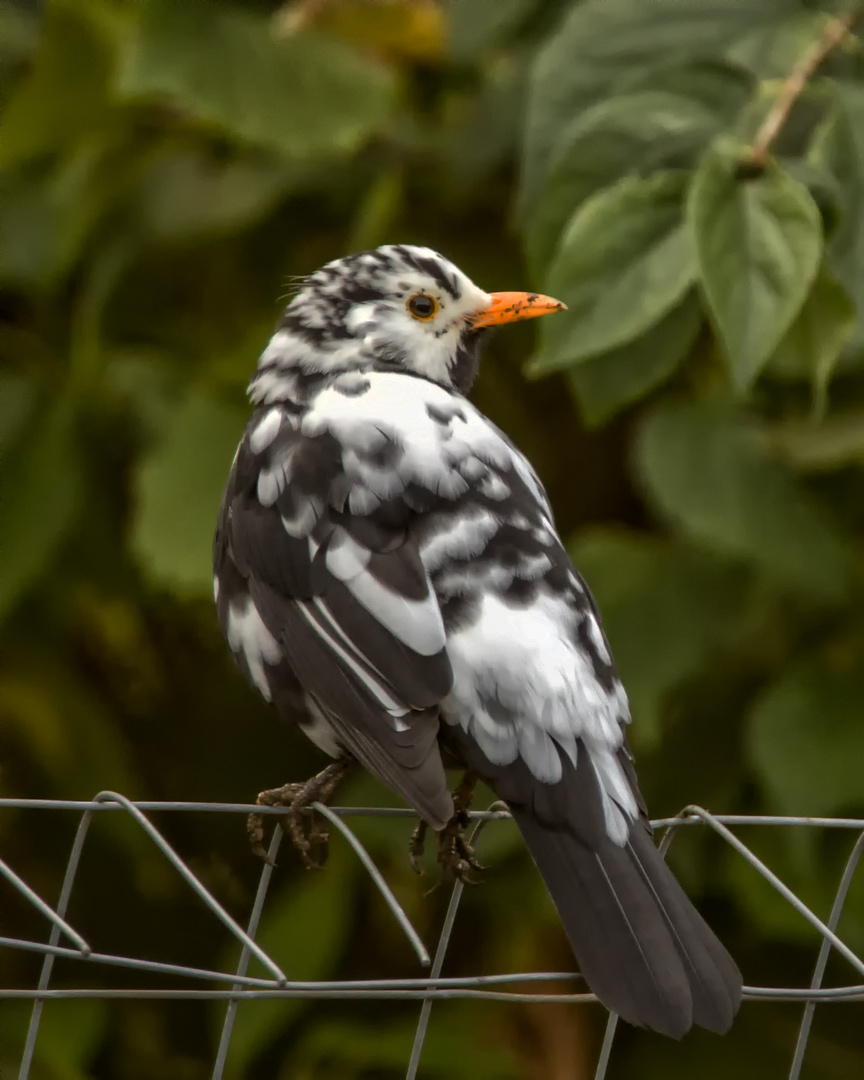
237,986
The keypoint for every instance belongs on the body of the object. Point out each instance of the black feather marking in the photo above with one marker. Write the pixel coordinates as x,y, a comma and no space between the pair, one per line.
430,266
408,760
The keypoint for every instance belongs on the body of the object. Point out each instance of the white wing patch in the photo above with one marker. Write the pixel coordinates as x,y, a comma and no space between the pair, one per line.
416,623
526,660
389,412
346,558
464,539
248,635
265,431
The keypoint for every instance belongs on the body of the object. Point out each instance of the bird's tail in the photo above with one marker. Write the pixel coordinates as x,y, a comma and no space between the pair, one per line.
643,948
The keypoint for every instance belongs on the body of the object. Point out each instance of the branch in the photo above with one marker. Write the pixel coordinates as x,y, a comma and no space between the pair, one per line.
835,30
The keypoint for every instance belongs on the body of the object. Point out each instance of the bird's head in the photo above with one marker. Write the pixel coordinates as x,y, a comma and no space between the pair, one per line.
396,308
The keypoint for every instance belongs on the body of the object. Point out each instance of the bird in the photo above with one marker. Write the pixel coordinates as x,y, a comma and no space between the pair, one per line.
388,574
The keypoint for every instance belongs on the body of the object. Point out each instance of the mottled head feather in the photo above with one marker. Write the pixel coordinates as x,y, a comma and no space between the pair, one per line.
352,315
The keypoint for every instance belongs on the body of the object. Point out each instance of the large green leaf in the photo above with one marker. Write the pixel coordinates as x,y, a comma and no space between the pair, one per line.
304,94
667,609
180,484
475,27
45,220
835,442
625,260
812,345
807,740
839,147
759,244
65,95
663,122
40,489
185,192
603,43
771,51
707,470
607,383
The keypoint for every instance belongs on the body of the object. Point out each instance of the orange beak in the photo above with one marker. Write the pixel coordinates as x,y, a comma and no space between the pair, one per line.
513,306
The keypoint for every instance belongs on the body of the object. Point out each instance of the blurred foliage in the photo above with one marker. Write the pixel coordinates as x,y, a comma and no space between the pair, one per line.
166,169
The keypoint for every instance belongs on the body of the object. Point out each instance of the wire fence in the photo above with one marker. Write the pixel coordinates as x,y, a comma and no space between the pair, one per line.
234,987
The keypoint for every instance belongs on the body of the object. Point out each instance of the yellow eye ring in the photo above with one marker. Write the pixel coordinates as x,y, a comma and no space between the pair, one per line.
422,306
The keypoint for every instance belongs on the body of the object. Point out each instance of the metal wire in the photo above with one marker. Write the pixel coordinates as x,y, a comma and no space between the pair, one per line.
425,990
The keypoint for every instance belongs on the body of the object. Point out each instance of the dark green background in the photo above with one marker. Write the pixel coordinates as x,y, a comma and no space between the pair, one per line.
167,167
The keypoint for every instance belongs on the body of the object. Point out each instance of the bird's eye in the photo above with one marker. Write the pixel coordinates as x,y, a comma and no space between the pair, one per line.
423,307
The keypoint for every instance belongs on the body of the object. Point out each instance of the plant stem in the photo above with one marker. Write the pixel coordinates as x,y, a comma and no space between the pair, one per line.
835,30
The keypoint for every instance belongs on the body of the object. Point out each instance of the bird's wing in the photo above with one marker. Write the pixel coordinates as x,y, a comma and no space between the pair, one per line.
319,582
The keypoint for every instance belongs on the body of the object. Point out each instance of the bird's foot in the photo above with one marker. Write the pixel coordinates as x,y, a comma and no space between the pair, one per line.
455,854
309,834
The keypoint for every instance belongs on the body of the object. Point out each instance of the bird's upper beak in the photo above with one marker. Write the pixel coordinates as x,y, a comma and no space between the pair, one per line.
512,306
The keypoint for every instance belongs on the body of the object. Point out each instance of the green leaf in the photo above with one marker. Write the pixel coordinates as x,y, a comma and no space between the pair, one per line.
40,489
707,469
186,193
839,148
813,343
625,261
806,739
65,95
475,27
835,442
303,94
46,219
772,51
759,245
604,43
607,383
662,123
667,610
180,484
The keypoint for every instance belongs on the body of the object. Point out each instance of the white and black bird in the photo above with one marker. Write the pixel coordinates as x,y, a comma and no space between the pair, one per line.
387,571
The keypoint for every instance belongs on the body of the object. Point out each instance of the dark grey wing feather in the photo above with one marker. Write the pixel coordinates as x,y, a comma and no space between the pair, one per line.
346,603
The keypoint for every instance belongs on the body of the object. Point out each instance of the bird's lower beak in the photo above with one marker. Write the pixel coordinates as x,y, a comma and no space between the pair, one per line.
513,306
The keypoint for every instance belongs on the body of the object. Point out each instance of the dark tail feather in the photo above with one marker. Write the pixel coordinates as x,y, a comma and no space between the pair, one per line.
643,948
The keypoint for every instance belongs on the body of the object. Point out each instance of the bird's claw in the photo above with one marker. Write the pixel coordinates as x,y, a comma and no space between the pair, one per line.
455,854
309,834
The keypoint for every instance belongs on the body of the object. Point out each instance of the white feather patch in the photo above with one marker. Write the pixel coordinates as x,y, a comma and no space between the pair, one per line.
526,658
416,623
346,558
248,634
464,538
390,408
265,431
